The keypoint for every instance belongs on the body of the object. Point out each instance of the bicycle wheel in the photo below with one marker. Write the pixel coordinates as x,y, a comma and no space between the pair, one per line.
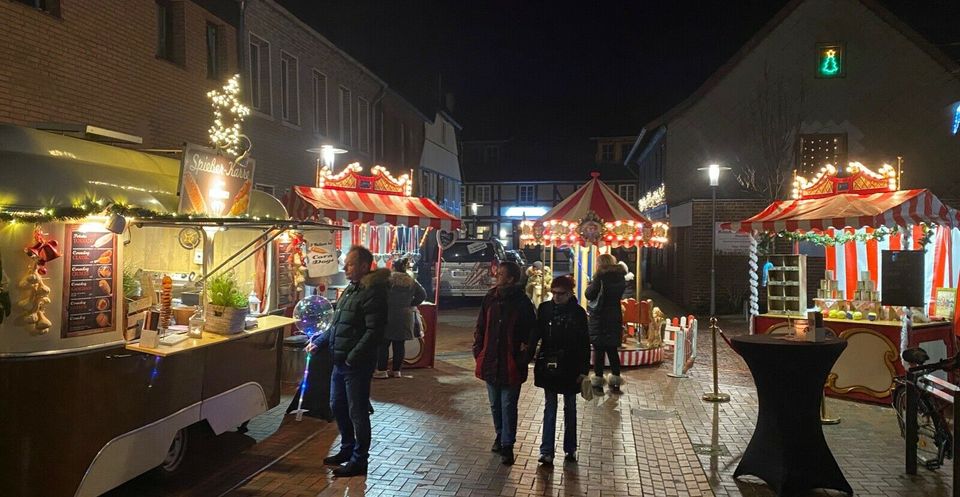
928,425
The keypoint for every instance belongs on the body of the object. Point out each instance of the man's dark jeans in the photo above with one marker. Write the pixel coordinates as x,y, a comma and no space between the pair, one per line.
350,403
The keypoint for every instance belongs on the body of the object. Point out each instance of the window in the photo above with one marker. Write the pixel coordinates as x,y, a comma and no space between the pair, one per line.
170,31
363,124
624,151
428,185
320,103
48,6
260,75
819,149
528,193
831,60
346,117
216,54
606,152
627,192
481,194
491,156
289,88
265,188
463,195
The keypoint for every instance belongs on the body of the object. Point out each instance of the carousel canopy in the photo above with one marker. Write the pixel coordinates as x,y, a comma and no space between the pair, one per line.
369,207
856,210
597,197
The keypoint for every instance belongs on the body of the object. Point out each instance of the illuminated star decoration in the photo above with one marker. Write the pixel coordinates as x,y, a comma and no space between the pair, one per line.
228,114
830,65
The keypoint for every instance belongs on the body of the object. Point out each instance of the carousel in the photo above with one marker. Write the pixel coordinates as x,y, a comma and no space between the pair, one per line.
592,221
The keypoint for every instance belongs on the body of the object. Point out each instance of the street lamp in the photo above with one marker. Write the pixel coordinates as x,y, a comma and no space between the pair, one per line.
713,172
473,209
325,157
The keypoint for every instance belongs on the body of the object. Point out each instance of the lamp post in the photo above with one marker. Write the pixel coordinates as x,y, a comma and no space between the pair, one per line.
326,154
473,210
713,172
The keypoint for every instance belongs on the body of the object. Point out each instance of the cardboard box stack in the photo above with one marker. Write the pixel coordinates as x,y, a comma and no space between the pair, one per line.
829,288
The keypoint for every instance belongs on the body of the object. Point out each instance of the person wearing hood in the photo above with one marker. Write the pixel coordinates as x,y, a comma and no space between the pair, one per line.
562,362
404,295
354,336
606,319
500,346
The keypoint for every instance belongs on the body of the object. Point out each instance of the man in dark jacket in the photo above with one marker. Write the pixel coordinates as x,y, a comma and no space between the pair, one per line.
353,338
500,344
562,363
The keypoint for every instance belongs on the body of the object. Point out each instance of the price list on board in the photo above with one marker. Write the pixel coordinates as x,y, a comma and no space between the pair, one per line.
90,282
285,286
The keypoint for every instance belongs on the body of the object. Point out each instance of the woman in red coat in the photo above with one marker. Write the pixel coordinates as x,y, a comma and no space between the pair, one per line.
500,347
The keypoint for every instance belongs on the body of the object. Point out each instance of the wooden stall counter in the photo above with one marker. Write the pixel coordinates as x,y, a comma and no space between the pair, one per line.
264,324
866,369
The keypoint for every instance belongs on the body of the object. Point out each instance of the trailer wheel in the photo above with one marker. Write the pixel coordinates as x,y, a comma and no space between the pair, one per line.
175,454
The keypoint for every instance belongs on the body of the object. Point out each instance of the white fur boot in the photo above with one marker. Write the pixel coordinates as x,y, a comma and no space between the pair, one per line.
597,382
615,381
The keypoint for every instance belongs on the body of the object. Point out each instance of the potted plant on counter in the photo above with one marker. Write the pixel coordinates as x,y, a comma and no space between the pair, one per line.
227,308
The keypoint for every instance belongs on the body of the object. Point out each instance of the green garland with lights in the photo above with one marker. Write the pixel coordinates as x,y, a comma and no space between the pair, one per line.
97,207
842,237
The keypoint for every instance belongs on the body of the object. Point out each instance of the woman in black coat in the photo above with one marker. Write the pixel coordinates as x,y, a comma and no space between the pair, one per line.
562,362
606,319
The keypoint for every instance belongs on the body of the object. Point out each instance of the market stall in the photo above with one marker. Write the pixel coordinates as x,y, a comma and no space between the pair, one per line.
592,221
94,248
858,219
381,215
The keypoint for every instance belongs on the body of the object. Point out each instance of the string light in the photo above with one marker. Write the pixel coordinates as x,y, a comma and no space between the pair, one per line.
228,114
652,199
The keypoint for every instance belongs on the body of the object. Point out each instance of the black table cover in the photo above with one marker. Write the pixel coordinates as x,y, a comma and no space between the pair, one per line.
787,449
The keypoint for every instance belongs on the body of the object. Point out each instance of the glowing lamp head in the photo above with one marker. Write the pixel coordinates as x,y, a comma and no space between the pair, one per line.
713,171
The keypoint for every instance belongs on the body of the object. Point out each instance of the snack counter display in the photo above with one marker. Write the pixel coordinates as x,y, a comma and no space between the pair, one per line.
884,253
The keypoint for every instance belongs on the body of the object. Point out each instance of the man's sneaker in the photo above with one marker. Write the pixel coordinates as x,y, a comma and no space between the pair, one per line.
546,459
496,446
337,459
506,455
571,457
380,375
350,469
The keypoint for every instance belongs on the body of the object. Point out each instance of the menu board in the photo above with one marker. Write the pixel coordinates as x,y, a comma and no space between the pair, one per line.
902,278
90,281
285,286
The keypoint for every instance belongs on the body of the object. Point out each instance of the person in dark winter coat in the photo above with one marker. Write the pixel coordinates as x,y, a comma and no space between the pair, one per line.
354,336
500,346
402,298
562,362
606,320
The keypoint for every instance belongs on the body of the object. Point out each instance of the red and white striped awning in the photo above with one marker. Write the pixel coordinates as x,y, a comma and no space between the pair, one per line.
855,210
597,197
365,207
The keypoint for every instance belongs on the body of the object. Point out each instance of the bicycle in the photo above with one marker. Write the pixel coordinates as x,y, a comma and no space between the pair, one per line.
935,438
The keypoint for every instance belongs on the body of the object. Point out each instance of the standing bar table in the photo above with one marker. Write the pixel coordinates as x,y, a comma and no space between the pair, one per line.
787,449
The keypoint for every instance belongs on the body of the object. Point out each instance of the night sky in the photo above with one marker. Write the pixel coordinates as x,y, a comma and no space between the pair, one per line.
560,69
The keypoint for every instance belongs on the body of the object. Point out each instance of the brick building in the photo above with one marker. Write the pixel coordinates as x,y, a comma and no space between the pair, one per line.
141,67
825,81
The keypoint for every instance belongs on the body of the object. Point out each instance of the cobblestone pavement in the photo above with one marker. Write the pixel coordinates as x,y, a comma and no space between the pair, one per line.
432,434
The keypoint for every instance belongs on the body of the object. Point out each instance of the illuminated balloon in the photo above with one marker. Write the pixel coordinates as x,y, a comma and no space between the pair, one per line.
313,314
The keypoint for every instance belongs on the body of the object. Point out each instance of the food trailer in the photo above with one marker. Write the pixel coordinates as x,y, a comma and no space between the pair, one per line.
592,221
383,216
856,218
85,399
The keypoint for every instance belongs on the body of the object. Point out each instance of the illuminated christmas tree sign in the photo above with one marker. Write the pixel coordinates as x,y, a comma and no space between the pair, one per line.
830,61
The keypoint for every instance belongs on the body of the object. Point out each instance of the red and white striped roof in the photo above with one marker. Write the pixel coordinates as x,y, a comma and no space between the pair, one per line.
855,210
363,207
597,197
